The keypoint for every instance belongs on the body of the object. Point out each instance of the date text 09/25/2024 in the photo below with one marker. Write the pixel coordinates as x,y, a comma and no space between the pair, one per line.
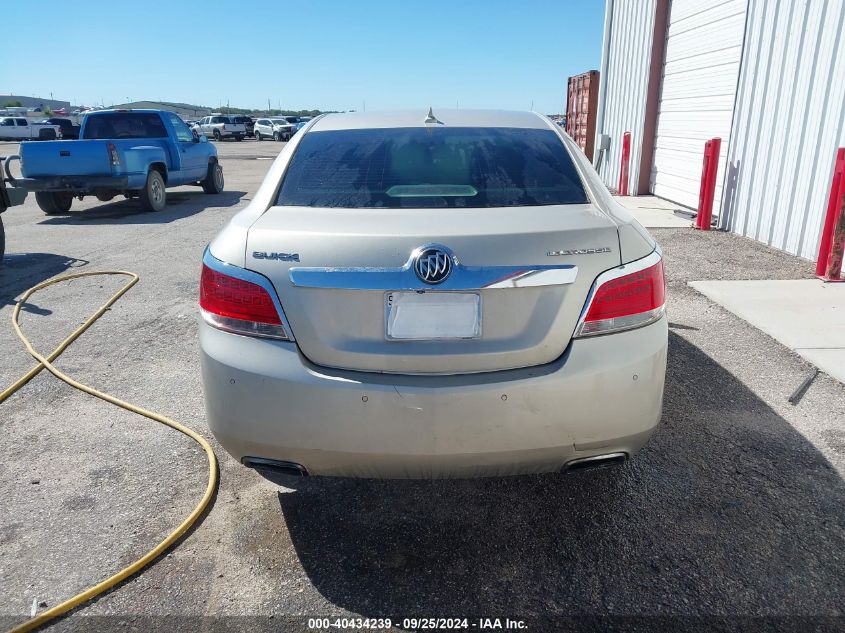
420,624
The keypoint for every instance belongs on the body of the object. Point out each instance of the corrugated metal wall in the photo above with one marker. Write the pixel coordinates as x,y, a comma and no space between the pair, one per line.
625,83
788,121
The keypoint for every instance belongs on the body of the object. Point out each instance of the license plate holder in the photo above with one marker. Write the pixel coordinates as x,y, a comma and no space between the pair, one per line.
431,315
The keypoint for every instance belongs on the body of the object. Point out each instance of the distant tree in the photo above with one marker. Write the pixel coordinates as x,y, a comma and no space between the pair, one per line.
13,104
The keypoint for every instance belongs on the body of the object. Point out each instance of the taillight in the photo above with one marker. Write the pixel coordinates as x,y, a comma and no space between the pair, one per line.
623,300
238,306
114,157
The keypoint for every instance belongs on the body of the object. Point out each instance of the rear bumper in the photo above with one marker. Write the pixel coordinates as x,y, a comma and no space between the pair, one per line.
264,400
80,184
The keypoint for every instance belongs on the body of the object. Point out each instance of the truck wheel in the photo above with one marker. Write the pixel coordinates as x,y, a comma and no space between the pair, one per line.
216,135
213,182
54,202
239,138
2,241
258,136
276,136
153,195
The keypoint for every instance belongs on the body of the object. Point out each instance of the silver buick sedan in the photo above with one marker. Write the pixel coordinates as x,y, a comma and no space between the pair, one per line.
432,294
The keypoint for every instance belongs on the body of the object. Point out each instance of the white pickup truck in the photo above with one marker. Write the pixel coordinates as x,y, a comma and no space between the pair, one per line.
22,129
219,127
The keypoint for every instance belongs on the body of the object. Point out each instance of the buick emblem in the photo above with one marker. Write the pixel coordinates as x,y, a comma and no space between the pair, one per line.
433,265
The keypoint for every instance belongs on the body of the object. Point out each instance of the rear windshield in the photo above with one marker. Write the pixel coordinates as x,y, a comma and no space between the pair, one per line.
430,168
124,125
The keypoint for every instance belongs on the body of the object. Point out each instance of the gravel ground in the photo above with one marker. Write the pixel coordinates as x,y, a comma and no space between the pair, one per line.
734,509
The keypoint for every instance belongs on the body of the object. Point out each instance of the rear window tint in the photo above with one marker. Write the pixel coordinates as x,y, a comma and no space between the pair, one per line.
114,125
430,168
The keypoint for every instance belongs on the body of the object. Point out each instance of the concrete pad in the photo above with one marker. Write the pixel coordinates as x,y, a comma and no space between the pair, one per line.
653,212
806,315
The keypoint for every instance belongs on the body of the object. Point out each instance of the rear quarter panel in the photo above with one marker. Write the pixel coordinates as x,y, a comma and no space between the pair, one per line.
635,242
136,159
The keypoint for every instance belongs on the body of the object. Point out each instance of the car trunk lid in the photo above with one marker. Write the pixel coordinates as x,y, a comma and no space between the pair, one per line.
338,313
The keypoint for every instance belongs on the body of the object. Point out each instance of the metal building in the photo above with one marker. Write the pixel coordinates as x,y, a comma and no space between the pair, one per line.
768,78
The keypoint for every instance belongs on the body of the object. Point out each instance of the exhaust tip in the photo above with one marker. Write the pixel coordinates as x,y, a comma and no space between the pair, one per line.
597,461
275,466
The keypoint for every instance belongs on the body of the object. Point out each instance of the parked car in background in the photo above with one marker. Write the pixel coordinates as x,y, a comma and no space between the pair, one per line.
22,129
294,121
219,127
69,129
405,298
246,121
274,128
136,153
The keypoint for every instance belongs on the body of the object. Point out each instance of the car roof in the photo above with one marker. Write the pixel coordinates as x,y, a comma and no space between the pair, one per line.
417,118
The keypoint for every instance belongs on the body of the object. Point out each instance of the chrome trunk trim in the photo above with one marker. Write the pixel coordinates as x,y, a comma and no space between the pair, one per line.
404,278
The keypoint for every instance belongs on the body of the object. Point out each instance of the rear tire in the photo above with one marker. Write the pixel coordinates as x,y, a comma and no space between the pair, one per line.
217,135
277,136
213,182
2,242
153,195
239,138
54,202
257,136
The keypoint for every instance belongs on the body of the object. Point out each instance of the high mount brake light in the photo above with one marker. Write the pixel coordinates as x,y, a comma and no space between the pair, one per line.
625,298
238,306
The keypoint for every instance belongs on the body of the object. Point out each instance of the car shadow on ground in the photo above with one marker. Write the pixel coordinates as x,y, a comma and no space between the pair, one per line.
728,510
21,271
180,204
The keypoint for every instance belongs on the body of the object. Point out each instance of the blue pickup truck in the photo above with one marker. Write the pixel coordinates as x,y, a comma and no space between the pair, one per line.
136,153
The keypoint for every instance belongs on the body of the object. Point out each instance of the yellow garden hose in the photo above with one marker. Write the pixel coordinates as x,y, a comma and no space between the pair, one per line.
46,363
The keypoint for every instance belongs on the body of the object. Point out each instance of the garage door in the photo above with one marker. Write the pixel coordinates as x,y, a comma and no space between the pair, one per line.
703,49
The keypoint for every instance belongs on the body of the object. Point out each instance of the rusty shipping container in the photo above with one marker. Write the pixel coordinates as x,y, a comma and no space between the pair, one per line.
582,97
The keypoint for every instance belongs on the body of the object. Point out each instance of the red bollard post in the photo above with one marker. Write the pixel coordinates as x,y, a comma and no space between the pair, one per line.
829,261
702,189
622,189
706,193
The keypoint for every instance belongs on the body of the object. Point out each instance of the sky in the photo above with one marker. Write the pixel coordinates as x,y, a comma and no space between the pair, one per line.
325,54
